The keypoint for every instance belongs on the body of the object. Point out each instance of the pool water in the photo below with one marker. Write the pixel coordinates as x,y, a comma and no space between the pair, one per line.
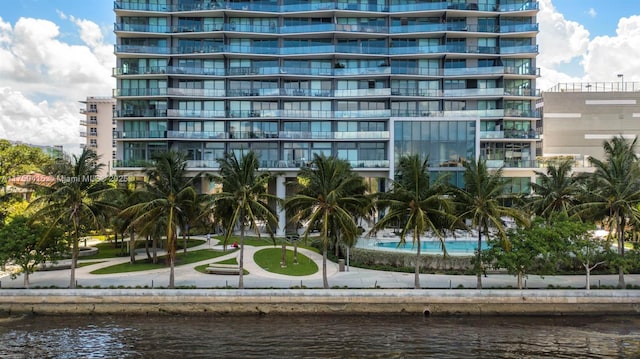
453,246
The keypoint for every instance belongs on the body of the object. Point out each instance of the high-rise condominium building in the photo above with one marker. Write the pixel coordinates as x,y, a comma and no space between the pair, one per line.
100,125
363,80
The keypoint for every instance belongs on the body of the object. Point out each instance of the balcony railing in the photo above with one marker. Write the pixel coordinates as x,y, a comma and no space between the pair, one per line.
161,29
140,113
139,134
197,135
510,134
322,6
139,49
330,135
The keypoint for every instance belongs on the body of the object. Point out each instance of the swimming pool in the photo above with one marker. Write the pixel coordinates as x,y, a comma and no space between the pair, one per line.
434,247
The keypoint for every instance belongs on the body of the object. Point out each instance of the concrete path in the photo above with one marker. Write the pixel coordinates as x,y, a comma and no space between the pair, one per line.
187,276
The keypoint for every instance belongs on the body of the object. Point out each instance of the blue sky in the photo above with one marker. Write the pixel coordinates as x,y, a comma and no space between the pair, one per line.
62,51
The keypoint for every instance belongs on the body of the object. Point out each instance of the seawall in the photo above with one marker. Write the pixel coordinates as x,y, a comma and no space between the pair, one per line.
318,301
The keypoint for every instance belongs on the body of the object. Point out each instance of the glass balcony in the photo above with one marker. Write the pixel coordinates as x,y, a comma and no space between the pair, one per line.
519,6
363,92
306,92
329,5
363,114
404,50
319,49
522,71
351,49
518,28
196,92
258,29
197,28
417,28
471,71
161,29
416,71
533,49
137,6
204,49
196,113
473,92
139,92
118,71
512,112
130,163
253,92
139,134
521,92
140,113
197,135
362,28
137,49
491,135
329,135
249,6
496,113
203,71
307,28
418,7
202,164
370,164
356,71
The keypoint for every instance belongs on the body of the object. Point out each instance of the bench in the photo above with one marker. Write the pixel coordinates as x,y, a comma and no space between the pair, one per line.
230,269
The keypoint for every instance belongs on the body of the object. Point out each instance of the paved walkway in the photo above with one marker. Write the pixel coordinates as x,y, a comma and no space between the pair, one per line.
187,276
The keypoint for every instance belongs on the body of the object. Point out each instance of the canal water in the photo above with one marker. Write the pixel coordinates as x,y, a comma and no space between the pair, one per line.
343,336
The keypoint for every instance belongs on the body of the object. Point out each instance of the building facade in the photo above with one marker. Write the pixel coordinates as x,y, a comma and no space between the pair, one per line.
363,80
99,126
579,117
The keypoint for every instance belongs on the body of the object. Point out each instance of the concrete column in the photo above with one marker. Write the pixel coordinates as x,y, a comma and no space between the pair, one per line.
281,192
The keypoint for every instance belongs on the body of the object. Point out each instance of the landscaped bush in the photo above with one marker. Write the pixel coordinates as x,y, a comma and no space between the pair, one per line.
397,260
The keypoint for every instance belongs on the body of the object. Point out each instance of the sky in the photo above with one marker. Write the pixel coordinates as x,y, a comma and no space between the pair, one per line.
55,53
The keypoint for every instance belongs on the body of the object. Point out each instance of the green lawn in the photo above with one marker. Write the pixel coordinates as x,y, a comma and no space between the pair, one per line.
84,264
109,250
181,259
269,260
264,241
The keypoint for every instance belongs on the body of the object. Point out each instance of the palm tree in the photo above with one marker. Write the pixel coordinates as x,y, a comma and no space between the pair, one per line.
482,201
421,205
77,201
244,200
328,195
613,191
557,190
163,200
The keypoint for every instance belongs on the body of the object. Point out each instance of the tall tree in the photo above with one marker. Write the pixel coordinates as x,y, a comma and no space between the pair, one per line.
482,201
417,204
557,190
29,245
164,198
244,200
613,191
19,159
77,201
327,197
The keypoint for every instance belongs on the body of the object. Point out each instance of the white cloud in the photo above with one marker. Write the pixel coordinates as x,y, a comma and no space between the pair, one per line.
600,59
592,12
44,77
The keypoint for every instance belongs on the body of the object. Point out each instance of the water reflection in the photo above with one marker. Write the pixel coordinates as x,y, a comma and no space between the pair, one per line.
319,337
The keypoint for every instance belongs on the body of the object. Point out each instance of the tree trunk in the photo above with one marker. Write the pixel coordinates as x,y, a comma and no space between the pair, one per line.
621,224
295,252
283,262
154,249
519,279
132,246
26,278
184,242
325,281
146,248
74,252
479,260
587,284
241,259
416,279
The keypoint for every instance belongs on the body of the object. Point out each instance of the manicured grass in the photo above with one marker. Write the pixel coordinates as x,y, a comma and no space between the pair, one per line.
109,250
269,260
265,241
202,268
181,259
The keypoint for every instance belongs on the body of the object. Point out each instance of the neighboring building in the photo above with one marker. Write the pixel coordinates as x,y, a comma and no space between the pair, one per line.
54,151
579,117
99,128
366,81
